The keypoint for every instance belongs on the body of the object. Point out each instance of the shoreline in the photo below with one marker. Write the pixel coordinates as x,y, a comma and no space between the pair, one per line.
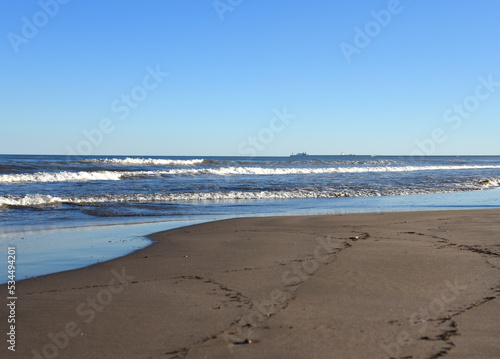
92,244
351,285
43,248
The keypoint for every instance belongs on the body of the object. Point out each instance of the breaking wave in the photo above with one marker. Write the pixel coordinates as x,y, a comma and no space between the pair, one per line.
32,200
62,177
490,183
39,200
67,176
144,161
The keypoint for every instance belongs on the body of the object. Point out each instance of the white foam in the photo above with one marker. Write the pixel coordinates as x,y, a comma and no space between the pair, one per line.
38,199
62,177
29,200
224,171
217,171
490,183
145,161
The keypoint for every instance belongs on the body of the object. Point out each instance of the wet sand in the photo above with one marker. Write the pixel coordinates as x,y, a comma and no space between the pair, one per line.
402,285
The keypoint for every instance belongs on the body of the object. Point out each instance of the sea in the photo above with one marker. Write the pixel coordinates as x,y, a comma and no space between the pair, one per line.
62,213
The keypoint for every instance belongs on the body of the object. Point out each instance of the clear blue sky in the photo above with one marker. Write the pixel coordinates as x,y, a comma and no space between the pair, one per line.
355,82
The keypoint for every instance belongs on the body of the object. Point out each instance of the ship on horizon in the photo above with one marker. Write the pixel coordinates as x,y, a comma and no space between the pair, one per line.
300,154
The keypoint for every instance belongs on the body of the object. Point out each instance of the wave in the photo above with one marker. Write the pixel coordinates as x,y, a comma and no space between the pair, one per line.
39,200
320,170
33,200
30,200
490,183
66,176
62,177
223,171
144,161
287,161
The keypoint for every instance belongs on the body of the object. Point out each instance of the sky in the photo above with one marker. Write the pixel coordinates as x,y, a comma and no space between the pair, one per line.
249,78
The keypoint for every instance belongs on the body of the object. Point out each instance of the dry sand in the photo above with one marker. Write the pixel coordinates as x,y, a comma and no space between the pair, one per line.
402,285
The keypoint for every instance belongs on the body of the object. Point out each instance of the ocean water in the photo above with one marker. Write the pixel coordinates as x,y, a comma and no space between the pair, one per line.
67,212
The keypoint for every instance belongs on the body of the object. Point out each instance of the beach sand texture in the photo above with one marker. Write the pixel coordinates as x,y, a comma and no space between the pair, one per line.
400,285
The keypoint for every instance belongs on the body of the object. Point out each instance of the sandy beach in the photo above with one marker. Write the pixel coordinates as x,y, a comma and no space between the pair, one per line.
388,285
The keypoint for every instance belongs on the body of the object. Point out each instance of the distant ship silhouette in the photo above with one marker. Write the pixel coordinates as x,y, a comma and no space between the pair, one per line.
300,154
